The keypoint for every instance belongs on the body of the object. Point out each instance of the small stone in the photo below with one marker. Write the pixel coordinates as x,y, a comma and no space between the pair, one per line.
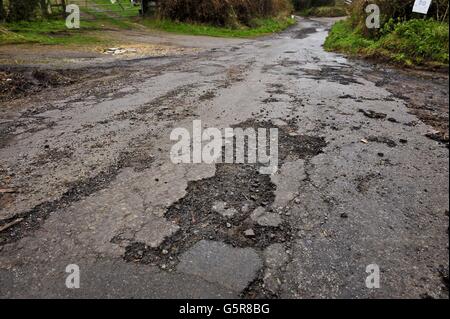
275,256
249,233
263,218
165,252
229,225
222,209
246,208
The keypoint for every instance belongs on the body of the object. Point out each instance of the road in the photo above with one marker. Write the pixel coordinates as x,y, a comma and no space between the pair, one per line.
93,185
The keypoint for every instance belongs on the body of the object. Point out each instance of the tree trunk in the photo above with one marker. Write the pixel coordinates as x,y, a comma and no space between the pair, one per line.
2,11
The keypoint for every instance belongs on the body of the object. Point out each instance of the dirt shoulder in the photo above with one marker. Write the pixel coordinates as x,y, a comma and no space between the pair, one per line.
425,94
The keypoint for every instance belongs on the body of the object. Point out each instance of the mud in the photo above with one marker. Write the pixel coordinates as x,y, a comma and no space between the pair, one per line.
426,95
15,83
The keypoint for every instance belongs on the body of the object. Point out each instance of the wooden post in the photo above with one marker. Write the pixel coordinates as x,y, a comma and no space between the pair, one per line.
63,5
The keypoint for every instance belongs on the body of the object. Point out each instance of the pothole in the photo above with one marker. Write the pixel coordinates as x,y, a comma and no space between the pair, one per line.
235,207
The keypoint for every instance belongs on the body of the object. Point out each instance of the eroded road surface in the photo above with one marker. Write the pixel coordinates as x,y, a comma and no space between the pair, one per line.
88,179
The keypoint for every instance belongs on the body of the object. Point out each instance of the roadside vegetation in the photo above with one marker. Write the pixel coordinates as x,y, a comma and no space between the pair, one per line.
321,8
31,21
258,27
404,37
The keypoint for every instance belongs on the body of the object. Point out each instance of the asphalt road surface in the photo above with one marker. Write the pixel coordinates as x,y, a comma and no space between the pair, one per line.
88,180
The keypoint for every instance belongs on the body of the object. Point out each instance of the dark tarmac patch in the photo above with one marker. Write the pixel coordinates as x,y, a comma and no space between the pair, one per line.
207,96
363,182
270,100
304,33
168,107
52,155
372,114
341,75
383,140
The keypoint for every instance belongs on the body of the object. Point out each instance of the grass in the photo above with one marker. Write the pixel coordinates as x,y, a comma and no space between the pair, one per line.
260,27
101,14
54,31
46,32
326,11
411,43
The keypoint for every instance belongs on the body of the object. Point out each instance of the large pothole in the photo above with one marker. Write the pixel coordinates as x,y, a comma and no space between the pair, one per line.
234,207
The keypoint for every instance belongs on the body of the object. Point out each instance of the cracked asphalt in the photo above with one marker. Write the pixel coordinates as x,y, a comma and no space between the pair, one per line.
360,180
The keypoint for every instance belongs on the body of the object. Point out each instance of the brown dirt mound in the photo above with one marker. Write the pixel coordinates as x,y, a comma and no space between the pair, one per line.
18,83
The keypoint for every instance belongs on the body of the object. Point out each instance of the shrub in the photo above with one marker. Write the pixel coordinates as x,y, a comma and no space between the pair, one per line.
413,42
22,10
305,4
398,10
324,12
419,40
223,12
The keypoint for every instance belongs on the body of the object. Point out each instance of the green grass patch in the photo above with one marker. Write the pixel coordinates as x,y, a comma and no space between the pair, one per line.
52,31
326,11
412,43
117,14
259,27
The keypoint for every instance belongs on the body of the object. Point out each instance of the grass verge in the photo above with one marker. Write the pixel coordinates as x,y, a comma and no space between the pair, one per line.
259,27
46,32
410,43
54,31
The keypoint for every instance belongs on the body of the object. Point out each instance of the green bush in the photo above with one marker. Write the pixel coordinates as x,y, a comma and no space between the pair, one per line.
324,12
223,13
305,4
19,10
398,10
418,40
413,42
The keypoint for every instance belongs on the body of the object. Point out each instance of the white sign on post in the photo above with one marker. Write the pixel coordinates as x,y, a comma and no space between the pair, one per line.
422,6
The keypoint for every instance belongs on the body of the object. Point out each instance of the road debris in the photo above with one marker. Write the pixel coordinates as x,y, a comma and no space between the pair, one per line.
372,114
7,190
11,224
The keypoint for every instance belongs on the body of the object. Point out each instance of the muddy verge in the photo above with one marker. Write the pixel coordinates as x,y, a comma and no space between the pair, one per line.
15,83
425,94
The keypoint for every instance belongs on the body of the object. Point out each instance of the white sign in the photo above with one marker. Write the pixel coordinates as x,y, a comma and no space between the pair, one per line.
422,6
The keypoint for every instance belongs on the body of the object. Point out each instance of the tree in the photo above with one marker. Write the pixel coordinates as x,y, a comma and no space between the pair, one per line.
44,7
22,9
2,11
